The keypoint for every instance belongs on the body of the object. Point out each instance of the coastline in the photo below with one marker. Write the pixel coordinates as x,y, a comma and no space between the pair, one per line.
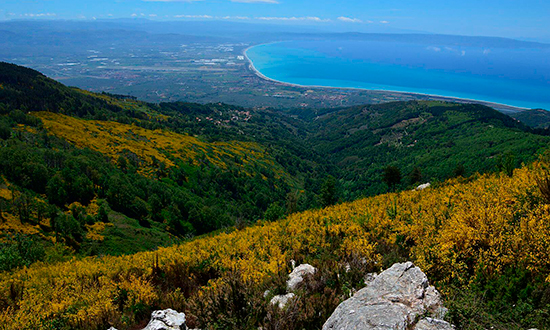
499,106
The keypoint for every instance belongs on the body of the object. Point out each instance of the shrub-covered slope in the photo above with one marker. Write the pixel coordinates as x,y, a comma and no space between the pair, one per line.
434,137
156,172
473,238
108,174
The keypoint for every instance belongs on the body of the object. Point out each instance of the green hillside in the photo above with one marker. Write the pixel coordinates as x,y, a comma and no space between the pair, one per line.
536,118
440,139
94,174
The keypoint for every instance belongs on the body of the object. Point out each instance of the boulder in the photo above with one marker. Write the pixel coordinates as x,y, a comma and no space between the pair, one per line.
282,300
423,186
370,277
294,279
298,274
432,324
167,319
392,300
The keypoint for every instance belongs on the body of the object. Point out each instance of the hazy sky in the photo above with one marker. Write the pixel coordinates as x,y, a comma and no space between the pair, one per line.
511,18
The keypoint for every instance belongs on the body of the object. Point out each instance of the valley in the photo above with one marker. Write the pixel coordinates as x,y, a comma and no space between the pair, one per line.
174,177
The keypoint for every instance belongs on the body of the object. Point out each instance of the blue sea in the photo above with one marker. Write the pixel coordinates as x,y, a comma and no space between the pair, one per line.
514,76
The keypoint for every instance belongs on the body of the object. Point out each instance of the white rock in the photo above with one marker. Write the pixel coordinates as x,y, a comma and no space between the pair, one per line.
370,277
423,186
167,319
433,324
282,300
298,274
392,300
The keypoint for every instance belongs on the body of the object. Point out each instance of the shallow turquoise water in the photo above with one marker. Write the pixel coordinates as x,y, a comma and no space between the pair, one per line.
518,77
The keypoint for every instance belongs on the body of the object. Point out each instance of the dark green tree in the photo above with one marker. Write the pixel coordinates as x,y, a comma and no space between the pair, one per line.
155,208
23,204
507,163
102,213
415,176
68,226
35,176
139,208
459,170
55,190
391,176
328,192
274,212
82,189
5,131
291,202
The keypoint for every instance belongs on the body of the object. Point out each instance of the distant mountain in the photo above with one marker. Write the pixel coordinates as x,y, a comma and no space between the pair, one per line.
425,38
129,31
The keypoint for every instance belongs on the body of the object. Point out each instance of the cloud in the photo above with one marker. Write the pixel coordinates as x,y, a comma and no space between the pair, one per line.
308,18
384,22
236,17
40,15
152,15
435,49
193,16
349,20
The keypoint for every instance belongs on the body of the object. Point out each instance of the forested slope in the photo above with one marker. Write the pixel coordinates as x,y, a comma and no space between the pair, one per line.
94,174
440,140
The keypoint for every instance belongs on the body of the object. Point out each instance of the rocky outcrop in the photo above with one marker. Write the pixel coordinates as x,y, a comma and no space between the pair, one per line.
167,319
282,300
294,279
298,274
394,299
432,324
423,186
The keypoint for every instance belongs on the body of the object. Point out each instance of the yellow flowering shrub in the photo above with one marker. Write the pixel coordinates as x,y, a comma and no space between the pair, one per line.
5,193
94,231
451,232
114,139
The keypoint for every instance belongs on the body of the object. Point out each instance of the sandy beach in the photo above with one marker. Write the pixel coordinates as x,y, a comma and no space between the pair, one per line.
498,106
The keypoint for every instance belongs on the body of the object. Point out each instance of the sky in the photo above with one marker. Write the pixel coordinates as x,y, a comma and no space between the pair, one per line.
526,19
